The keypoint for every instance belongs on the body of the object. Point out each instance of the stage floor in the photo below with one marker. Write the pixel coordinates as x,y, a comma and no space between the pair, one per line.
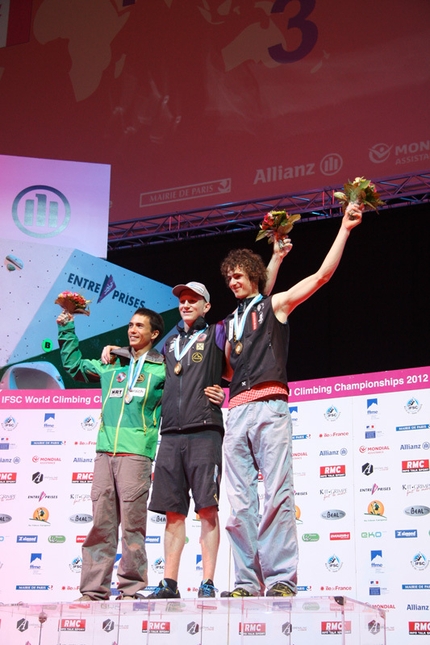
218,621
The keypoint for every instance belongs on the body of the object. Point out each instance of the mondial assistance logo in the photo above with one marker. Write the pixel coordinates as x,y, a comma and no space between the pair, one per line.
41,211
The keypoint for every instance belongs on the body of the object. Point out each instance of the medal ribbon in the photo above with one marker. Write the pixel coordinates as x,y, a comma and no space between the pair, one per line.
134,371
192,340
239,327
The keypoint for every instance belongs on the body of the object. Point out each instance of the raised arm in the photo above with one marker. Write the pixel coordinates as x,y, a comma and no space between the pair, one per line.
281,248
80,369
284,303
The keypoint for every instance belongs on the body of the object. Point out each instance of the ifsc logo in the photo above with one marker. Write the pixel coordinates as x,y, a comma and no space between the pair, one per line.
41,211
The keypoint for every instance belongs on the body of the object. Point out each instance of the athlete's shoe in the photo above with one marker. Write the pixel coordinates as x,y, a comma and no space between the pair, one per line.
136,596
207,589
85,598
280,589
239,592
164,591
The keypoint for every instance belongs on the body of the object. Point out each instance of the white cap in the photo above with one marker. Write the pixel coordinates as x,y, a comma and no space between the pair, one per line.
197,287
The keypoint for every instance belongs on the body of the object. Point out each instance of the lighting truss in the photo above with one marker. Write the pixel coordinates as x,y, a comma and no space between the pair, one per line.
399,191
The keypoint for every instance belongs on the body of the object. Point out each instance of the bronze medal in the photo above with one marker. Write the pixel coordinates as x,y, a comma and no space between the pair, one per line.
128,397
178,368
238,348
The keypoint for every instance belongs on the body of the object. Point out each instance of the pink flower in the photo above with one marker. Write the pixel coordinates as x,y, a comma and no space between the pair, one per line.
269,220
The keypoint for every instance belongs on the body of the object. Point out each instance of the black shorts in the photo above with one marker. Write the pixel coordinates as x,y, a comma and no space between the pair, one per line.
187,461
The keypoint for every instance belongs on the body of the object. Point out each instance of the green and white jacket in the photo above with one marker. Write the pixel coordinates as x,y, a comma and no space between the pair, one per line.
125,427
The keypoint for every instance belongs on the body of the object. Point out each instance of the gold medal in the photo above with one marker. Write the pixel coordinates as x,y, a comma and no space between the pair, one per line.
239,326
128,398
178,368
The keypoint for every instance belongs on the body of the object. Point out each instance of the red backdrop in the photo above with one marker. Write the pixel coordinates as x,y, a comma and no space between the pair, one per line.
201,102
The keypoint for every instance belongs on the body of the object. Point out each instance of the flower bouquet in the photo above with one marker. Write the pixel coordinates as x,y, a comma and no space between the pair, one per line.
73,303
359,191
276,225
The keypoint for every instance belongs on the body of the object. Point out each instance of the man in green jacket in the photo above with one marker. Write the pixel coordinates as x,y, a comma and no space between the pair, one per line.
132,386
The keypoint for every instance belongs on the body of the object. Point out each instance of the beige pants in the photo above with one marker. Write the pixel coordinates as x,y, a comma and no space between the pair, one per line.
119,495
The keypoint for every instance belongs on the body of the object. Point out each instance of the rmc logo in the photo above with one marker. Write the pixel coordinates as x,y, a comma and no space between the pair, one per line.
41,211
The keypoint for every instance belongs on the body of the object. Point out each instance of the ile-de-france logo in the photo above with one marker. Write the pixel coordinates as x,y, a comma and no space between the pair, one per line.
41,211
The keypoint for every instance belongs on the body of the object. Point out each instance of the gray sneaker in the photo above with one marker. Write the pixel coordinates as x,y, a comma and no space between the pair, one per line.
207,589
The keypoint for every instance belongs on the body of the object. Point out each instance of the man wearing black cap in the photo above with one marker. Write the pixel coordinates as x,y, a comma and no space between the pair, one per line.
189,456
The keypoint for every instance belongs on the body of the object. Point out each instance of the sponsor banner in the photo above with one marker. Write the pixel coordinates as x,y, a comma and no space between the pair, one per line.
371,496
413,379
255,99
64,400
359,384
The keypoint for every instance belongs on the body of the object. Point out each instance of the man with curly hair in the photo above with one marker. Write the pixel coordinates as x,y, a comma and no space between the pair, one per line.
258,429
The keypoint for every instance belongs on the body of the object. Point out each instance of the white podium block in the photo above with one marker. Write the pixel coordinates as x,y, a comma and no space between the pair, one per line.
327,620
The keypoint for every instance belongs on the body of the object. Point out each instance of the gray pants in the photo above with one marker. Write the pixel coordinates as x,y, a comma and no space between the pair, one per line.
265,549
119,494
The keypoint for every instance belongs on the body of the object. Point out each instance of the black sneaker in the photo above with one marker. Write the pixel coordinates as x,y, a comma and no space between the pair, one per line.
207,589
280,589
164,591
239,592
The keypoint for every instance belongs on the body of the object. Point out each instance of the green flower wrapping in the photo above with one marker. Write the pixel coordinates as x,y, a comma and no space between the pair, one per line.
359,191
276,225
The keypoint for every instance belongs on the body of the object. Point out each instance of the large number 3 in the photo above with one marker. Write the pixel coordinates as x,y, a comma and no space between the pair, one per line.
309,32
